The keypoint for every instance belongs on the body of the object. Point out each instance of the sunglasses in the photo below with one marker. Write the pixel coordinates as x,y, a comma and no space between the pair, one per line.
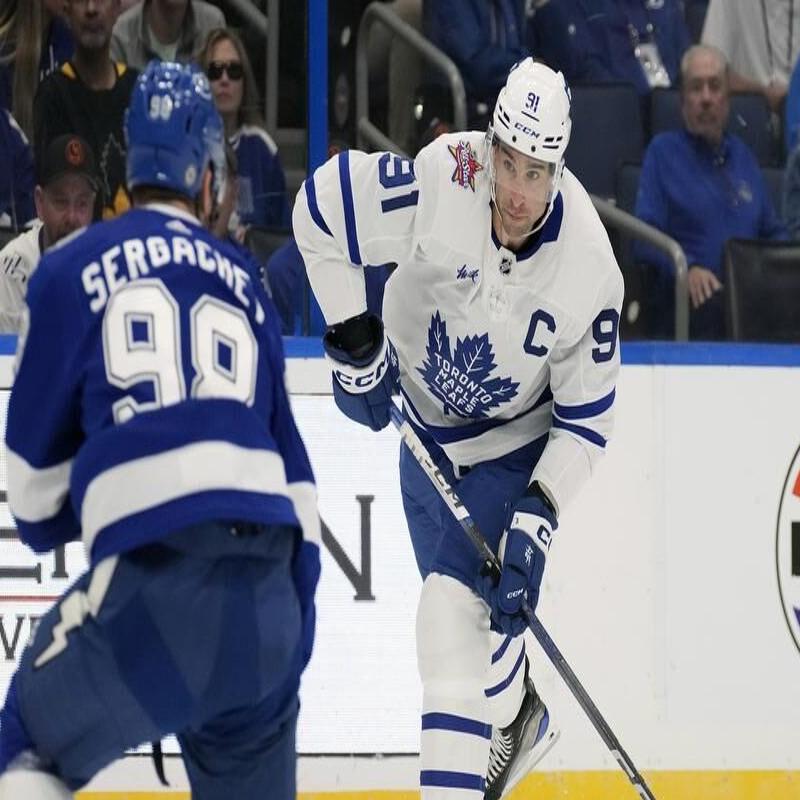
234,70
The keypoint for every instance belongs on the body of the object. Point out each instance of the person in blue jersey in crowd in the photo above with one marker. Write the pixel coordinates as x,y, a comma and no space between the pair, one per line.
149,417
17,174
501,335
701,186
262,183
791,131
791,194
632,41
485,38
286,275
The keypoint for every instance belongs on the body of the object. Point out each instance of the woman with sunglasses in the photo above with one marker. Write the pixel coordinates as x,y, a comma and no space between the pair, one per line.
262,183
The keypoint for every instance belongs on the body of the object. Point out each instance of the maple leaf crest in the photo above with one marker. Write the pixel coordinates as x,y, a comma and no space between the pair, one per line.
460,378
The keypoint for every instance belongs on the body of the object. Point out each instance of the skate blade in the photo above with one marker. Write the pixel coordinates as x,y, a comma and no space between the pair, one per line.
537,753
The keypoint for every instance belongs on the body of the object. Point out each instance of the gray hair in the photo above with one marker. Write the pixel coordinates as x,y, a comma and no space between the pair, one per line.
697,49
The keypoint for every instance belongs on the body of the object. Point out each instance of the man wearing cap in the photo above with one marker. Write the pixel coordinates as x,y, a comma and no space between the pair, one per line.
64,197
88,96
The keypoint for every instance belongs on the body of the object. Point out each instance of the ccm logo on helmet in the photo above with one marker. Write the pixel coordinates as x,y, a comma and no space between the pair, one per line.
526,130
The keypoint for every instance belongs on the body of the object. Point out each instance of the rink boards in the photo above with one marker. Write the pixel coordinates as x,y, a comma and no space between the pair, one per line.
673,589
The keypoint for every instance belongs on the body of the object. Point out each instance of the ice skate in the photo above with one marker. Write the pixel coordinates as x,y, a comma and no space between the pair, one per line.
515,750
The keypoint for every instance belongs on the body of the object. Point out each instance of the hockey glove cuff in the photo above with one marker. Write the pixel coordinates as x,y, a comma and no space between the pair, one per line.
365,369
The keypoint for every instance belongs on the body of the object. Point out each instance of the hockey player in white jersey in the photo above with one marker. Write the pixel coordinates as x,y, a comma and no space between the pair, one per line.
501,334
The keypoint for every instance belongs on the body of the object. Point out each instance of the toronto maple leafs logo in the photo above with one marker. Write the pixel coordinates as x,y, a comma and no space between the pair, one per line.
466,165
460,378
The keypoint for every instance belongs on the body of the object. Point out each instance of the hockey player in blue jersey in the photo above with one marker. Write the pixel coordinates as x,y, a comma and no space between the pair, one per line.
149,417
501,325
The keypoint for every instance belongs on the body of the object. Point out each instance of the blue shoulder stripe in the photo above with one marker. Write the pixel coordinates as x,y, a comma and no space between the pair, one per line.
580,430
587,409
313,207
349,209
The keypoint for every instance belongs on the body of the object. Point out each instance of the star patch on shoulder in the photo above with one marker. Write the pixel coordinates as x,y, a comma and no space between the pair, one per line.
466,165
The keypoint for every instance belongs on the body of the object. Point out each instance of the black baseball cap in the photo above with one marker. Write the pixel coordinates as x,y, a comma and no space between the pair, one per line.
68,154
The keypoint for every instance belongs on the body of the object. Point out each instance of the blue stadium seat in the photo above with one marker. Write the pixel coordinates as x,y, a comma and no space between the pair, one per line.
626,185
695,14
773,177
606,130
634,322
750,120
6,235
762,290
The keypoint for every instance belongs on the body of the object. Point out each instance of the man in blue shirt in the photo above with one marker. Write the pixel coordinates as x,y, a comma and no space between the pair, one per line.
701,186
17,178
791,194
631,41
485,38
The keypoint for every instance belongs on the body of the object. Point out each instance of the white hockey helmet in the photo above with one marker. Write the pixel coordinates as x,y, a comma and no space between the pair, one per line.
532,111
531,115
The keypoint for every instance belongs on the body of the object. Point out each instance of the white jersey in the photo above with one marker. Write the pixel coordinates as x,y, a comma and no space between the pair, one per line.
496,348
18,259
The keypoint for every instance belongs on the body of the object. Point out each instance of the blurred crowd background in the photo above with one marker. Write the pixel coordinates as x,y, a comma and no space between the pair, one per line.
685,121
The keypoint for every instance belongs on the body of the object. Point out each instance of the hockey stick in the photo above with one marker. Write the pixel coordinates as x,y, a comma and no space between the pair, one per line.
459,511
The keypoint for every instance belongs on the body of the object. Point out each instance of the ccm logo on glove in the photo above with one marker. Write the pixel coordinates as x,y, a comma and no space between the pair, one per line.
365,380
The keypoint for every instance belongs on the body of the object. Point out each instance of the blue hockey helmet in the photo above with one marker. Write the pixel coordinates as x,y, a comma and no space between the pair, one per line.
174,131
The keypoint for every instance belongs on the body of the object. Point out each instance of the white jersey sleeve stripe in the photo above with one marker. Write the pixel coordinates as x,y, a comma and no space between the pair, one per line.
304,496
348,208
313,206
585,410
143,483
34,494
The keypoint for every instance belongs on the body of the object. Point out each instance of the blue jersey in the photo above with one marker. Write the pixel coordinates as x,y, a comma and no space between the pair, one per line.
262,183
150,392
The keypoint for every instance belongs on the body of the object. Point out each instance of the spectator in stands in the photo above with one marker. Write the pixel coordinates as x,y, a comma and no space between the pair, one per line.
65,197
168,30
16,174
760,39
485,38
220,224
89,96
791,194
286,278
262,183
608,41
792,115
701,186
34,40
